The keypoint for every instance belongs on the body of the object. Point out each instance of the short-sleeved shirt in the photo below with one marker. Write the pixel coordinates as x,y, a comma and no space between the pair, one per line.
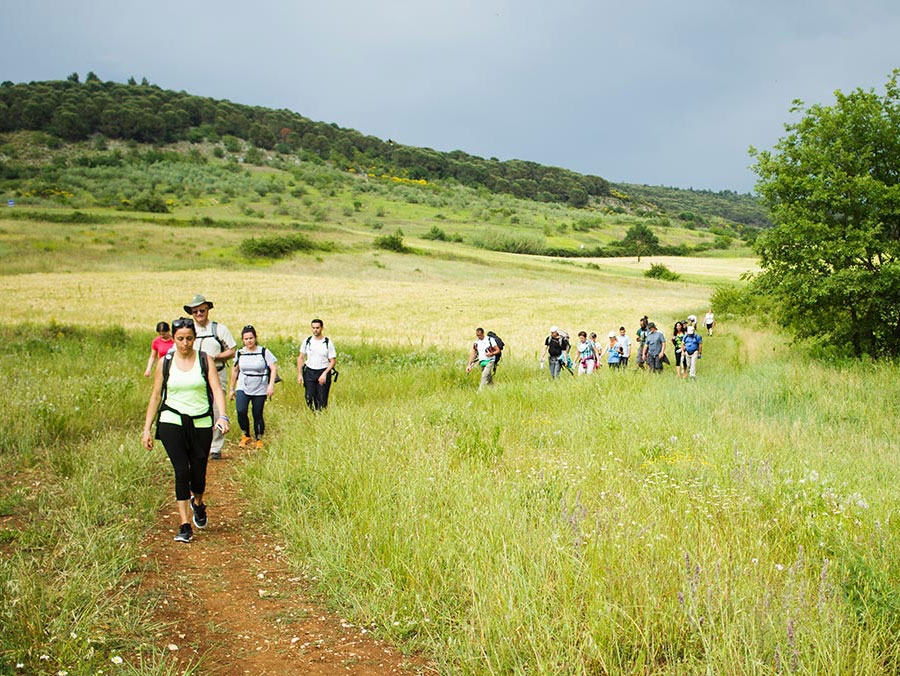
585,349
625,344
481,348
655,342
692,343
253,370
612,353
318,352
556,346
207,342
161,346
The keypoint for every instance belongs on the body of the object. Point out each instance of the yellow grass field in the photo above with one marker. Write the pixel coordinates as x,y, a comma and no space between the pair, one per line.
382,298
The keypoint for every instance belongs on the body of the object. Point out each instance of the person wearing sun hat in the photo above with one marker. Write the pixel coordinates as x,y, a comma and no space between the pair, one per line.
216,340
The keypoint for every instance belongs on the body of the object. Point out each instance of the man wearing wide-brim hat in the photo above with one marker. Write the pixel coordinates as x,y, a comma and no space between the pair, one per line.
216,340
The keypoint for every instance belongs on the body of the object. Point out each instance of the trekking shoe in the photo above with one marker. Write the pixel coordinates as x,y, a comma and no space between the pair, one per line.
185,534
215,455
245,440
199,512
259,443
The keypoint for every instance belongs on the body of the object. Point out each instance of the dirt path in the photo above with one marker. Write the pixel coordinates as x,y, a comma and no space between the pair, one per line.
229,600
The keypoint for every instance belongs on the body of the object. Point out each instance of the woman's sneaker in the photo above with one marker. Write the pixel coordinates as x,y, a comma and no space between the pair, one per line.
199,514
245,441
185,534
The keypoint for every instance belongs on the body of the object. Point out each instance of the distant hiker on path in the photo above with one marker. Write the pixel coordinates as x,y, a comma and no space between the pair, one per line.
183,400
484,351
556,345
216,341
625,343
252,383
709,320
693,349
613,351
639,339
587,354
315,364
654,348
160,346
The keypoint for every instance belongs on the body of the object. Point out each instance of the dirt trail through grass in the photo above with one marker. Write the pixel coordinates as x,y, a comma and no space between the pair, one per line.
229,600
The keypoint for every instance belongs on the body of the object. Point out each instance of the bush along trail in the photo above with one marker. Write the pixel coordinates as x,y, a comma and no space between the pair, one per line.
230,605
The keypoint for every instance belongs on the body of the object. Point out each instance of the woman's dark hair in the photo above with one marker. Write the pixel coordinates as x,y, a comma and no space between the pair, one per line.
162,327
248,329
184,323
677,326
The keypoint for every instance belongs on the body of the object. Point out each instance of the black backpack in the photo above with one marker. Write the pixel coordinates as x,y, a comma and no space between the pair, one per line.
498,341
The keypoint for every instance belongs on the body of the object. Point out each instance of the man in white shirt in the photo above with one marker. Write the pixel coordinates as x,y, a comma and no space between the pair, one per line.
314,366
625,343
216,340
483,352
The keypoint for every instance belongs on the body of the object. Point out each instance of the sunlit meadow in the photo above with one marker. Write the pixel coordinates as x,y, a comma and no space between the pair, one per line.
743,523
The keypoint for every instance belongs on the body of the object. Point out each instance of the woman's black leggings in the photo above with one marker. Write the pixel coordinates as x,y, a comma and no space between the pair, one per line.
188,449
242,403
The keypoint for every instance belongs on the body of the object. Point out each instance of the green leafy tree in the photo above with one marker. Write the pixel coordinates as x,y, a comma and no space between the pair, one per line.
832,263
640,240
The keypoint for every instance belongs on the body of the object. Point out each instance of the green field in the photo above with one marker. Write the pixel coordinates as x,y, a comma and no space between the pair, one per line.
744,523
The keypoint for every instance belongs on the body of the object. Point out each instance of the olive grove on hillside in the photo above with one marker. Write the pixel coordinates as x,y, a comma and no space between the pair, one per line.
832,184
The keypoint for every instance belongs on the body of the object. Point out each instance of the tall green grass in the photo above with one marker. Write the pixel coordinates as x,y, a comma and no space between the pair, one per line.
77,496
624,523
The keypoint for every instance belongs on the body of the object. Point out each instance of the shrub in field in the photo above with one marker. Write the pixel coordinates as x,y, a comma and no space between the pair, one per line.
495,240
660,271
393,242
436,233
279,246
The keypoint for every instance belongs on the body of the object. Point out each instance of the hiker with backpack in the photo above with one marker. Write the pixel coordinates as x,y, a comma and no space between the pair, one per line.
587,354
315,365
159,347
692,350
485,352
216,341
556,348
654,348
182,402
252,383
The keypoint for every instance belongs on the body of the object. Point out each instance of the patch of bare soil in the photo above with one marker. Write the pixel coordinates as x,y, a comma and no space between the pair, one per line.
229,600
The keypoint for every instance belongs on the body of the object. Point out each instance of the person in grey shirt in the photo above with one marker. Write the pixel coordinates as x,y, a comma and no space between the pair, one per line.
654,348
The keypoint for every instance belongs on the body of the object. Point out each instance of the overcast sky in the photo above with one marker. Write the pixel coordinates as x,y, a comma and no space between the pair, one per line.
640,91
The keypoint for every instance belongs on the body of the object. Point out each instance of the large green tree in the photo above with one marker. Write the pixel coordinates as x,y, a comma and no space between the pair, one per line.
832,184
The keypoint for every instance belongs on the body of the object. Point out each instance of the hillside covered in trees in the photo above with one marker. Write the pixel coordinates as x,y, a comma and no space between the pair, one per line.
72,110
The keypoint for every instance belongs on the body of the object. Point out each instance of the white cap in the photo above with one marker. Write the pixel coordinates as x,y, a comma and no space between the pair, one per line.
554,329
612,334
690,329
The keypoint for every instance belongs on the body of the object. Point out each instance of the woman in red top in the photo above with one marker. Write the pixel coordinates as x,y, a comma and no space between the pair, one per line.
160,346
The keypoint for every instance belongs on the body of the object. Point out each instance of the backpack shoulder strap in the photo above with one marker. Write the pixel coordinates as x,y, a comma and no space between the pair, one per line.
215,333
204,369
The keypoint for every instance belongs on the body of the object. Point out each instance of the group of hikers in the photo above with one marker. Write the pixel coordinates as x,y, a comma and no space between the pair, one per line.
188,405
649,344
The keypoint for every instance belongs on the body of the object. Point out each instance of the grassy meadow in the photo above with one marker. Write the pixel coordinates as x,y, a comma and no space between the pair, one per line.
744,523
